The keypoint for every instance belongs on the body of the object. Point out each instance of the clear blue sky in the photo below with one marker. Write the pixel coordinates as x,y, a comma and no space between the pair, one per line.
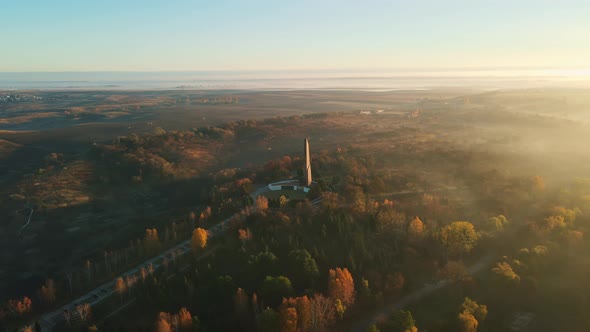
153,35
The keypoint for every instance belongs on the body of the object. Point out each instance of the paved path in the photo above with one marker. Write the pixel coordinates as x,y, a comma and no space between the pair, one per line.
27,223
49,320
419,294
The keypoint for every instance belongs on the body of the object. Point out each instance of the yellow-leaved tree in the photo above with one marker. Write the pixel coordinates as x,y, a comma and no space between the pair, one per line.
199,239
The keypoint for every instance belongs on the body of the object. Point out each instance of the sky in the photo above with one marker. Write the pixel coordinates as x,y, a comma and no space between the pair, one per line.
221,35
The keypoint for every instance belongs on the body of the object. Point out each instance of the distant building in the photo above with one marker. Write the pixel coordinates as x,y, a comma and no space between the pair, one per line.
287,185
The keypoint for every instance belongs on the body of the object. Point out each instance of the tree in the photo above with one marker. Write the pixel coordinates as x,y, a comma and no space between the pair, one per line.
303,306
390,221
185,319
323,312
120,287
69,277
283,201
459,237
415,229
255,305
538,183
453,271
192,217
199,239
341,286
340,308
373,328
504,271
569,215
479,311
162,325
205,215
304,267
242,305
83,312
89,269
68,316
20,307
28,328
48,292
497,223
274,289
261,203
288,319
394,283
554,222
158,131
467,322
268,321
400,321
143,273
151,241
244,235
331,201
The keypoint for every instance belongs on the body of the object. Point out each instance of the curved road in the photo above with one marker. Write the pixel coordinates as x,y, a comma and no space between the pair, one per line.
417,295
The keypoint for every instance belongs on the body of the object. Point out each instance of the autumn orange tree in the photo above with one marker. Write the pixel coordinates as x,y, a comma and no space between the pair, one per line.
295,313
341,286
120,287
162,323
288,319
199,239
185,320
181,321
467,322
20,307
261,203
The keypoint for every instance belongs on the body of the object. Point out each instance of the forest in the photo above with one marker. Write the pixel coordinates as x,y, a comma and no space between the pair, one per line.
441,215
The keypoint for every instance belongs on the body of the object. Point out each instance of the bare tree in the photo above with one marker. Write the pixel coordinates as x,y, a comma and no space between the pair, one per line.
69,277
89,269
82,312
323,312
120,287
143,273
68,316
106,261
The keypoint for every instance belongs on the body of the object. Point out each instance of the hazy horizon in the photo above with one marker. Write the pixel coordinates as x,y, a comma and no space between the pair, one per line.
297,79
